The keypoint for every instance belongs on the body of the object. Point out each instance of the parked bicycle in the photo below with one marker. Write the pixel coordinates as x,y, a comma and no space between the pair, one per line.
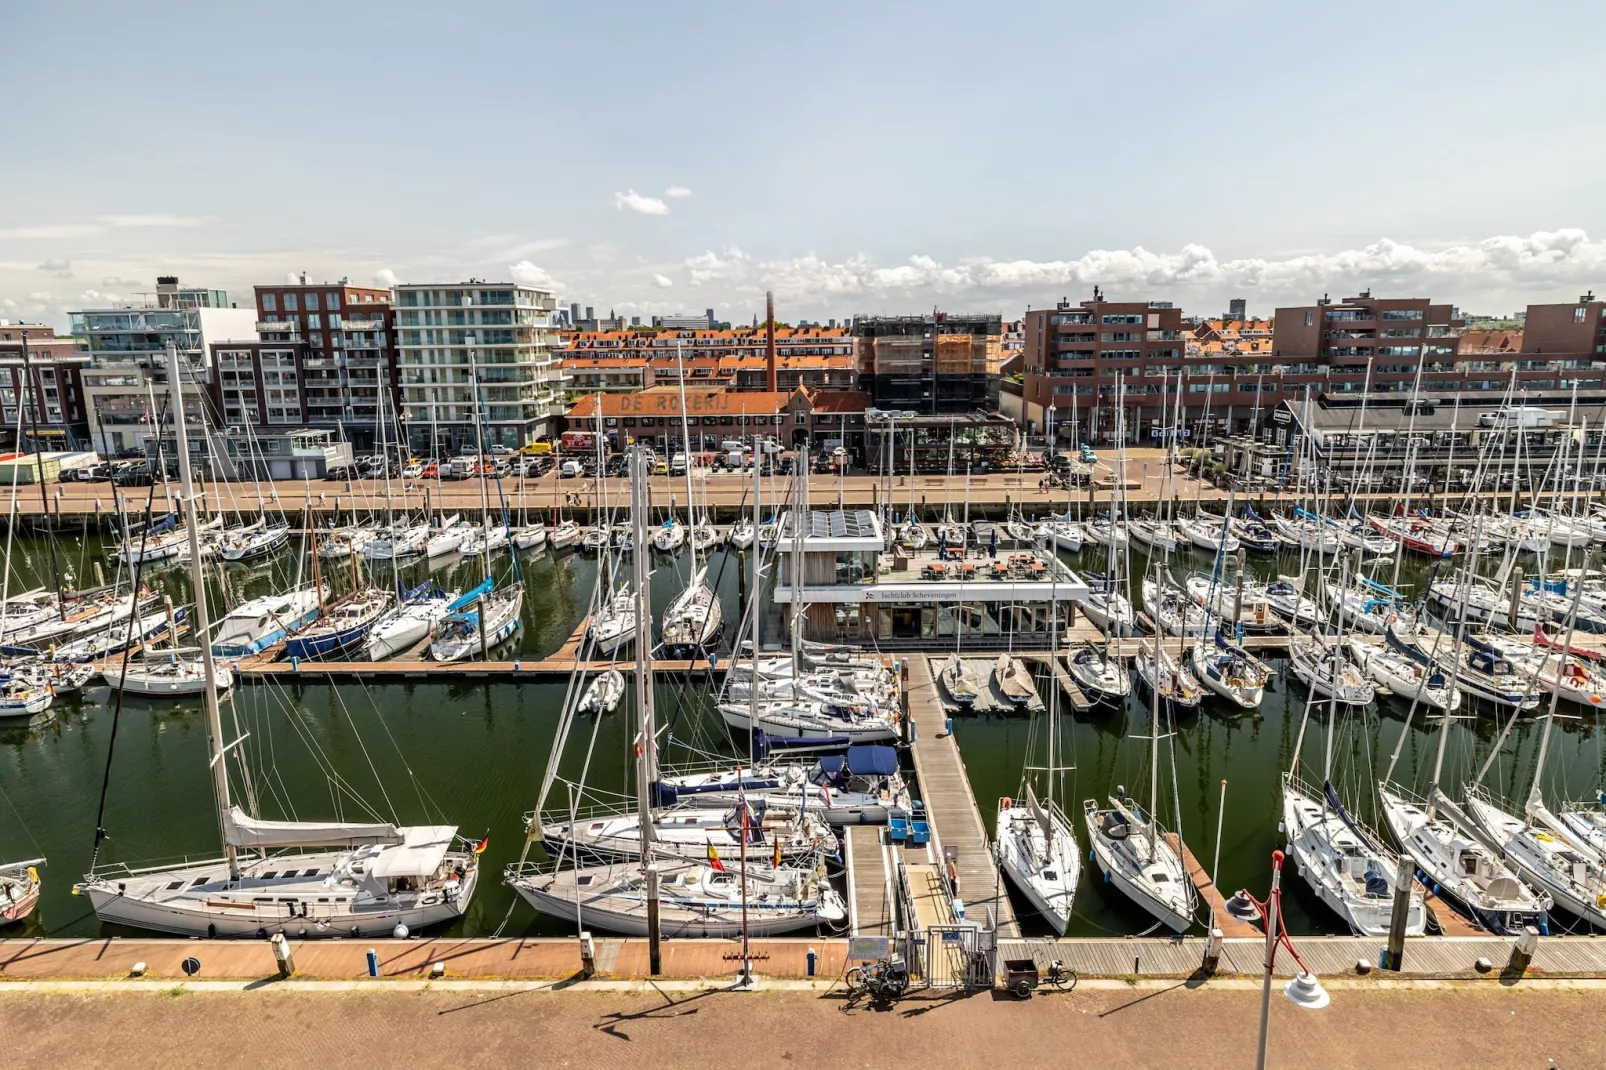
1062,977
883,981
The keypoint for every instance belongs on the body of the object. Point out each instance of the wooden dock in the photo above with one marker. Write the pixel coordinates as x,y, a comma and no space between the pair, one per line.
1230,926
956,822
1079,700
870,882
1451,922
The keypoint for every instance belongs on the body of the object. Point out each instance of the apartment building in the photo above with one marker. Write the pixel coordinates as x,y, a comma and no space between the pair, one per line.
936,363
55,414
493,339
817,358
328,350
127,363
1076,358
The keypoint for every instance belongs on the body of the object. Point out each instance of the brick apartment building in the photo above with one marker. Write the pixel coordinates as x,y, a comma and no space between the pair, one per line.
56,415
936,363
324,352
819,358
1075,356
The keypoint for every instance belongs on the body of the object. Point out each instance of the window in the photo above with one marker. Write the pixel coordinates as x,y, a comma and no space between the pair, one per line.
290,303
1578,314
314,320
1402,314
312,301
331,302
1310,317
270,303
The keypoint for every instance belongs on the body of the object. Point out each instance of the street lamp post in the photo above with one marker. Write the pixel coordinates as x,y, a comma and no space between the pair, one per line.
1304,990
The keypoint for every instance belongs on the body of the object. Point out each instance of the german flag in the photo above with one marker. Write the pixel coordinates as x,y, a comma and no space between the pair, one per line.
713,859
479,848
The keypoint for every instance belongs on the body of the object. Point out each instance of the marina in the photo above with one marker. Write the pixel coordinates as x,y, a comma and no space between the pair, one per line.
952,655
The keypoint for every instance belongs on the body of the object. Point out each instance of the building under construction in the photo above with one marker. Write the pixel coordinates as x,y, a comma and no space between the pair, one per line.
936,363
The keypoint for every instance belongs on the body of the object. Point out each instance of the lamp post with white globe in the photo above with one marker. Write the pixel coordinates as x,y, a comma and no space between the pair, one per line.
1304,990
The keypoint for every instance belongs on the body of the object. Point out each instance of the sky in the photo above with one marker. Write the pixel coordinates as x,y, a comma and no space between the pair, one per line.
853,157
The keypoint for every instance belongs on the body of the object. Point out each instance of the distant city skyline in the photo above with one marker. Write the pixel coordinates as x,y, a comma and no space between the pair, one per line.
1177,153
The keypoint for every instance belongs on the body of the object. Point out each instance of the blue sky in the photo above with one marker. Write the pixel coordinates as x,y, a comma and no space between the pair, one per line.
854,157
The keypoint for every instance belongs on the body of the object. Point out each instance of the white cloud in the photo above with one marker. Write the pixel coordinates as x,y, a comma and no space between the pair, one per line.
527,274
677,191
152,219
663,282
113,280
57,267
639,204
1567,257
385,277
51,231
97,297
292,278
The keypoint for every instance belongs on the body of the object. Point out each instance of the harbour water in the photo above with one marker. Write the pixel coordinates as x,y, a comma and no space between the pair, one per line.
472,754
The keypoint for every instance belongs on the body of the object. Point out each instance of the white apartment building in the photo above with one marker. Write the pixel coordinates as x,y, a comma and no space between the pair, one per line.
126,380
506,334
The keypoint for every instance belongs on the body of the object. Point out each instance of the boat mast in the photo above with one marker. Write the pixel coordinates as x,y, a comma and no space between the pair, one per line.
685,445
39,469
1154,735
479,449
647,742
203,622
800,508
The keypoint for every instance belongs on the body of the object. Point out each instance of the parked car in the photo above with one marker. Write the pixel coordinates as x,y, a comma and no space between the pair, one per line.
131,453
412,471
432,470
570,470
96,473
133,474
787,466
342,472
499,450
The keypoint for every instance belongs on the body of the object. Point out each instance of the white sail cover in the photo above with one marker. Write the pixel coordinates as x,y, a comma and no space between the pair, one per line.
423,847
243,831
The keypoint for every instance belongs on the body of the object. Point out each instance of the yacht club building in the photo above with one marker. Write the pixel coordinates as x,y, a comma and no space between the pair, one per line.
855,589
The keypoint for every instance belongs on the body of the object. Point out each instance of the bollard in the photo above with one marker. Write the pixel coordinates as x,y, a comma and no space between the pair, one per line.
948,726
1522,953
1212,955
295,664
282,955
588,955
373,963
813,959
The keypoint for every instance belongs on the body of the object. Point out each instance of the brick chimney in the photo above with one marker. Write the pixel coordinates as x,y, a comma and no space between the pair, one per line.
772,378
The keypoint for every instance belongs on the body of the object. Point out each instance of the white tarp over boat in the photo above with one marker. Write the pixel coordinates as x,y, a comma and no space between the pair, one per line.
243,831
423,848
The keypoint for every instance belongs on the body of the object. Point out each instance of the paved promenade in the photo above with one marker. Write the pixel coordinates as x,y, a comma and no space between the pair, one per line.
1112,1025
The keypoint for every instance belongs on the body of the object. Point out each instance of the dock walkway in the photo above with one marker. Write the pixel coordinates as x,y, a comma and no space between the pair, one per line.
869,881
956,822
1229,925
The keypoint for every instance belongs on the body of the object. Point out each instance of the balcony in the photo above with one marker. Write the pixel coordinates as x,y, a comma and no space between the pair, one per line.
275,327
361,325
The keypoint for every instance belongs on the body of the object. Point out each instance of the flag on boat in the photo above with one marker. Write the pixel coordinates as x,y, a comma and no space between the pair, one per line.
713,859
777,861
479,848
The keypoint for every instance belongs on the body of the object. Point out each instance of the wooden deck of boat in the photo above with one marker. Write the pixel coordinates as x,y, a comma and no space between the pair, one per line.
1226,922
956,821
869,881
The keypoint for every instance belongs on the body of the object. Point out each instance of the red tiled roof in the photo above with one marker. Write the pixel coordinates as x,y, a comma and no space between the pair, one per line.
665,401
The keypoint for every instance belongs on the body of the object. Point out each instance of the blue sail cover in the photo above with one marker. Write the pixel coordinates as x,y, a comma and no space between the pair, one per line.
472,596
872,760
167,523
1380,588
423,591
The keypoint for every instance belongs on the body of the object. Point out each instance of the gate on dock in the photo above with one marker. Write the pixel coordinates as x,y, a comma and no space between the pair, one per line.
958,956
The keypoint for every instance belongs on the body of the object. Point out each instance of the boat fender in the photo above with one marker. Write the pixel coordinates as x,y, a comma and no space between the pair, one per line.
1005,803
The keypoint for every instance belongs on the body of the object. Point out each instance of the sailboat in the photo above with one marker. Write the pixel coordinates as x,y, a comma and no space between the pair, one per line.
694,619
1134,852
415,616
1101,677
1341,860
313,878
1545,850
960,684
1014,683
19,889
696,897
614,626
1034,842
1450,848
486,617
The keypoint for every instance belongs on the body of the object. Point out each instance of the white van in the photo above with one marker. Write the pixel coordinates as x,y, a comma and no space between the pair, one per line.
570,469
677,465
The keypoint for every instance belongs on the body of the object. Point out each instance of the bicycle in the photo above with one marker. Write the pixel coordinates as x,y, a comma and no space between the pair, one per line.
1060,976
883,981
